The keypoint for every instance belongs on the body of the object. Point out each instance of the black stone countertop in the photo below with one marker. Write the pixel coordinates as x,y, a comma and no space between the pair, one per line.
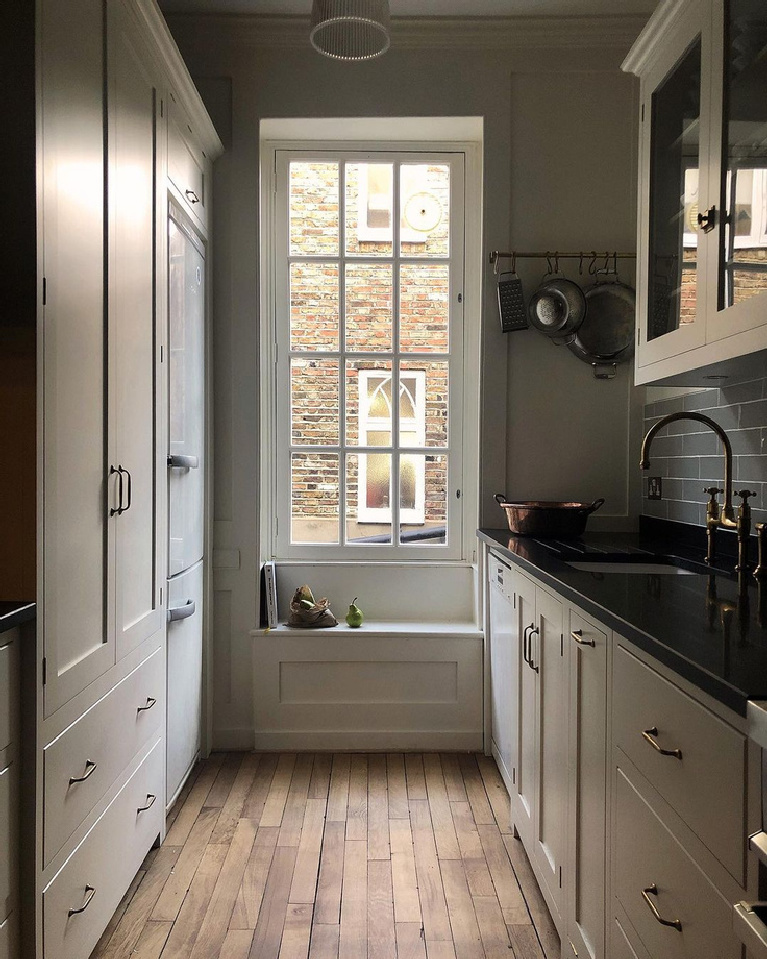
696,625
13,614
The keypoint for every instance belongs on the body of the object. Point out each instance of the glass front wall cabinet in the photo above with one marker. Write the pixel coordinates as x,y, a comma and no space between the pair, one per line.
677,202
739,165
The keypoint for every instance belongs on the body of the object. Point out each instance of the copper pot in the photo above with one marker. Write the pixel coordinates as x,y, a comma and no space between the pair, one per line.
541,518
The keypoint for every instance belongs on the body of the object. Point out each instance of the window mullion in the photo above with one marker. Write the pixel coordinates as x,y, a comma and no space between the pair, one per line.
342,350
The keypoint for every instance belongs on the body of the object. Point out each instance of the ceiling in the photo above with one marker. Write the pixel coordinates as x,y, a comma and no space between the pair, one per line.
428,8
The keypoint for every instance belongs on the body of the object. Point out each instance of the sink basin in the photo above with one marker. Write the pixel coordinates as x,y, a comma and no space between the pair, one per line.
662,569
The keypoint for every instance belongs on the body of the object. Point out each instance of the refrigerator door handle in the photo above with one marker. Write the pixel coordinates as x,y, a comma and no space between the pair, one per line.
182,461
175,613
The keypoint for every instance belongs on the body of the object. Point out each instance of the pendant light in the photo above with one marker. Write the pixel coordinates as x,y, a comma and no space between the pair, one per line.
350,29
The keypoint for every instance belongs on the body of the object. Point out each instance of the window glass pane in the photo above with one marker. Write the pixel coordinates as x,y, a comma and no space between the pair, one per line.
674,205
423,499
424,388
368,498
313,209
373,379
368,307
314,402
425,209
424,307
314,306
744,234
314,498
369,204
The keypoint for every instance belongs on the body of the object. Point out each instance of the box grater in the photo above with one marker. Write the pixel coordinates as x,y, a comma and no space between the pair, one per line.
511,303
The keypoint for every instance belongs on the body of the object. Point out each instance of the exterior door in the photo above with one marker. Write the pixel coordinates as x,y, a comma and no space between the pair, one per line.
133,333
75,616
551,787
523,798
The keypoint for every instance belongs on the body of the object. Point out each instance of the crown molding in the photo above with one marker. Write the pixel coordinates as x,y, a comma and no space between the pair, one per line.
663,21
488,33
154,25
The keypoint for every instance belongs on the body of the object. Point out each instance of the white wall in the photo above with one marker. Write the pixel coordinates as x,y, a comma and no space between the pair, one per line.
552,100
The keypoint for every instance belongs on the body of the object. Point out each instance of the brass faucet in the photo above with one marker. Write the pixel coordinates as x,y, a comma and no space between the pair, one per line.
714,516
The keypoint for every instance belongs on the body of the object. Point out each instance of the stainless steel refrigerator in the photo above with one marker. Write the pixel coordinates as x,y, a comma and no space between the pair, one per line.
186,492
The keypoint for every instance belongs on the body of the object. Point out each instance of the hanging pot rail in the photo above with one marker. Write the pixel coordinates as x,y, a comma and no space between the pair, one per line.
591,255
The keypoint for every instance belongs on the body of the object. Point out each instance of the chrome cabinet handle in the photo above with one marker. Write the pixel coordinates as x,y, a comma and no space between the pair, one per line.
90,892
192,196
534,631
118,470
183,461
175,613
150,801
653,891
150,701
577,634
90,769
648,734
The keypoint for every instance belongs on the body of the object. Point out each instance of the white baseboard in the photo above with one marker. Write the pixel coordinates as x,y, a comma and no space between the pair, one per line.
369,740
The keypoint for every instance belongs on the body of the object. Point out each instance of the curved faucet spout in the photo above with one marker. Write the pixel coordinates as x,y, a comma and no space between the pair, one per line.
727,514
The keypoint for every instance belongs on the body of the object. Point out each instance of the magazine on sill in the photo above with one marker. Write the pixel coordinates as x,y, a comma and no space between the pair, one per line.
269,610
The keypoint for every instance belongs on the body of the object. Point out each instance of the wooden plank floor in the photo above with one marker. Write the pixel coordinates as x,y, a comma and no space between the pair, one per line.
319,856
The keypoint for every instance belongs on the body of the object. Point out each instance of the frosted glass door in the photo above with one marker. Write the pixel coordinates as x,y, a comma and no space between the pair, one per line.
186,272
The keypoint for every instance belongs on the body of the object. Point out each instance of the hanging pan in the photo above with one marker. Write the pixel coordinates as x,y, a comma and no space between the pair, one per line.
607,332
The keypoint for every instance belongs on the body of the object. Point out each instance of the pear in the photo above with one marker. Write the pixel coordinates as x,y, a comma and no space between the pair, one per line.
354,617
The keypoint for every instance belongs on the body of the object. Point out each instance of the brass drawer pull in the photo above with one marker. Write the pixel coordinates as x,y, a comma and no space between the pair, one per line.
90,892
647,735
150,701
150,801
90,769
653,891
577,634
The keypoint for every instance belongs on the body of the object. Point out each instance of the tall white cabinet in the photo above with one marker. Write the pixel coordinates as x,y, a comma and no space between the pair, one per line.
105,71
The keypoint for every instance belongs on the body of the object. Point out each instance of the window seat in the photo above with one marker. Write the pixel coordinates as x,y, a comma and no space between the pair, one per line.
381,629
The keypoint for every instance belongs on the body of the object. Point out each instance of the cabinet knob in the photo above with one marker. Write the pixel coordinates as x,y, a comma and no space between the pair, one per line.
707,220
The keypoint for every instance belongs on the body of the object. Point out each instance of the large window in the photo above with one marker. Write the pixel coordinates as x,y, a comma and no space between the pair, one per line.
368,260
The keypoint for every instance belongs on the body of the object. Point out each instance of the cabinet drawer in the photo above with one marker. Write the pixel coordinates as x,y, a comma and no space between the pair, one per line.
707,785
187,164
100,870
99,745
9,799
9,680
647,856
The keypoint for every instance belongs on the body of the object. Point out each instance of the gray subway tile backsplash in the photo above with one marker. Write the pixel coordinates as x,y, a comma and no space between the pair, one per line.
688,455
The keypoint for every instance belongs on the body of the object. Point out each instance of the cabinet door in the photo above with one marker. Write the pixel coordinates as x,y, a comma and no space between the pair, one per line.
79,639
587,790
738,249
551,788
676,98
133,331
187,163
523,797
503,676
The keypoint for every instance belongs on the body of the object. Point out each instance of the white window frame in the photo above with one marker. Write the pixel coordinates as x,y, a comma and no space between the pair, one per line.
366,514
382,135
381,234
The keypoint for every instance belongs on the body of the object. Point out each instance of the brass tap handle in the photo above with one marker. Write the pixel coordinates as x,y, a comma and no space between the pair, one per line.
745,494
713,491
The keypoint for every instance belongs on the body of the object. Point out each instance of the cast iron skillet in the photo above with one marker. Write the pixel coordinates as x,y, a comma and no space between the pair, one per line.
607,332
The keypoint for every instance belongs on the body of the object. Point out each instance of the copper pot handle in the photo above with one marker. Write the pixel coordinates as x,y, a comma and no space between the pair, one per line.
500,499
595,505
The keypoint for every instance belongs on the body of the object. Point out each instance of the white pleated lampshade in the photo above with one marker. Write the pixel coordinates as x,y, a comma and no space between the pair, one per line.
350,29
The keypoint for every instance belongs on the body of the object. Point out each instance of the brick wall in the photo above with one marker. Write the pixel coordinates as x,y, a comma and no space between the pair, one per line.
688,455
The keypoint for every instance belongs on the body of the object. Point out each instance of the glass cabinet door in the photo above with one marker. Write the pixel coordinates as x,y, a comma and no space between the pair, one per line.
740,91
676,100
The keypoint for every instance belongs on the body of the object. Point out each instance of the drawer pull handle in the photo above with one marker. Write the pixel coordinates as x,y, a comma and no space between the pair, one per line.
648,734
177,613
90,769
653,891
90,892
150,801
150,701
577,635
192,196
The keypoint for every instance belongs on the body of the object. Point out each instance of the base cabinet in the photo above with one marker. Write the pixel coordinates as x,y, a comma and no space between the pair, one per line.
504,669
